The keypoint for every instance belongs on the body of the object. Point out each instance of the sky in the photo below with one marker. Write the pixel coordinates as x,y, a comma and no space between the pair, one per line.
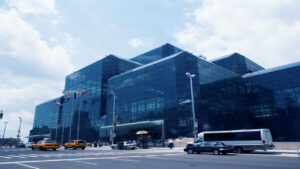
43,41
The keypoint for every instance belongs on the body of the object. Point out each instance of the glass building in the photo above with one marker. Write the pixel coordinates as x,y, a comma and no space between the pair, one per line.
237,63
284,82
45,120
153,94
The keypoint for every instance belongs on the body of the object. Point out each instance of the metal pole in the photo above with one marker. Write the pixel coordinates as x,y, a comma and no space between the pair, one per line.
4,133
62,135
56,131
193,105
71,120
18,136
78,118
113,128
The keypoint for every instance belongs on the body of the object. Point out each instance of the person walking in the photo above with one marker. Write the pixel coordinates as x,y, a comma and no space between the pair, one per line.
171,144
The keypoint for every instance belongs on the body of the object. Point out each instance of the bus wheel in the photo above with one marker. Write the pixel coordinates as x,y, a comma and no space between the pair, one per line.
238,150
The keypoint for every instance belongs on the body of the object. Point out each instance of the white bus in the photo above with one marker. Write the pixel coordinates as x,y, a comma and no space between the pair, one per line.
241,140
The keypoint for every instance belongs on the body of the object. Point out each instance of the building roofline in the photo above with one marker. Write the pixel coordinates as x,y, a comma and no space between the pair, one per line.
164,45
150,64
223,57
274,69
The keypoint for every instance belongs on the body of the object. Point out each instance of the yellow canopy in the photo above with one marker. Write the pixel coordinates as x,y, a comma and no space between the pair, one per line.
141,132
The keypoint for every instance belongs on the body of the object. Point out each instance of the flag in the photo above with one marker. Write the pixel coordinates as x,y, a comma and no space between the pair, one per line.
62,100
56,103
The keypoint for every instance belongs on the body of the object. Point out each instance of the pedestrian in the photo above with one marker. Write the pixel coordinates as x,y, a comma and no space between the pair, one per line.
171,144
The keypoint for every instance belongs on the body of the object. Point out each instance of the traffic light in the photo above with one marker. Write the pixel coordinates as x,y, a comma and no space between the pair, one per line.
1,115
117,118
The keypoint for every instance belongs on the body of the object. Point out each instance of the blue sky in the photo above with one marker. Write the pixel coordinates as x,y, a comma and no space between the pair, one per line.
43,41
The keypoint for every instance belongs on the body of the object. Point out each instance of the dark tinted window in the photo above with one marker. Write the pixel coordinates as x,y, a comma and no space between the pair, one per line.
239,136
81,141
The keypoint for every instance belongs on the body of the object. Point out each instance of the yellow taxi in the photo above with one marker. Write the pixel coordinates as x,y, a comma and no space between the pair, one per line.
76,144
46,144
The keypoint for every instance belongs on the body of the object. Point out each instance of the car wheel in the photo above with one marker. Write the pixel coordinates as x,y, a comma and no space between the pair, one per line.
41,148
224,153
216,152
54,149
82,148
190,151
74,148
32,148
66,147
238,150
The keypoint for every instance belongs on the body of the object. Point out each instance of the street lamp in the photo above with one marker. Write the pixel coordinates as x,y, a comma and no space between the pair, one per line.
190,76
18,136
113,126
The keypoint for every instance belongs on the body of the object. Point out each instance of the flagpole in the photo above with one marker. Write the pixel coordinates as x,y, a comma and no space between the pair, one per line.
78,118
71,119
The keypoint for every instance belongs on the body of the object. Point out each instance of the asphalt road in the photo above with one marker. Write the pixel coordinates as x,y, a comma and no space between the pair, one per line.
104,158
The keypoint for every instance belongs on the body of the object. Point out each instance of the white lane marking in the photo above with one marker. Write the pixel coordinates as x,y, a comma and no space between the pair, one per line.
126,160
156,157
27,166
16,156
72,159
5,157
272,155
84,162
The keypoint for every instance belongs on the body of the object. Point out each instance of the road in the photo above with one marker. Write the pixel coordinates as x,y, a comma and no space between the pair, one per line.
104,158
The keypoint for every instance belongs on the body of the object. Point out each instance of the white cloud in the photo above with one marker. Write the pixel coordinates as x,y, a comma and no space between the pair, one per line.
31,71
265,31
22,45
141,42
33,6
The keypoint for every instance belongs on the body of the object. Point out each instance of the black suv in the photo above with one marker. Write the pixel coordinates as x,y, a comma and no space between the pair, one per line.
214,147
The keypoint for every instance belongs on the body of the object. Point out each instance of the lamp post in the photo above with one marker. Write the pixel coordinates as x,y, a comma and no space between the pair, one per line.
62,135
18,136
113,126
190,76
5,123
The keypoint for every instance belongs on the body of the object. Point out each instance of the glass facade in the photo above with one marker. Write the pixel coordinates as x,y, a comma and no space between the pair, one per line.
161,90
45,120
86,111
156,54
284,82
237,63
153,94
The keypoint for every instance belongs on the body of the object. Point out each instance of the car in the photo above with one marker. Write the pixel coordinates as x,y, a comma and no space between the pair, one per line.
45,144
114,146
299,152
20,145
29,145
74,144
215,147
129,145
124,145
